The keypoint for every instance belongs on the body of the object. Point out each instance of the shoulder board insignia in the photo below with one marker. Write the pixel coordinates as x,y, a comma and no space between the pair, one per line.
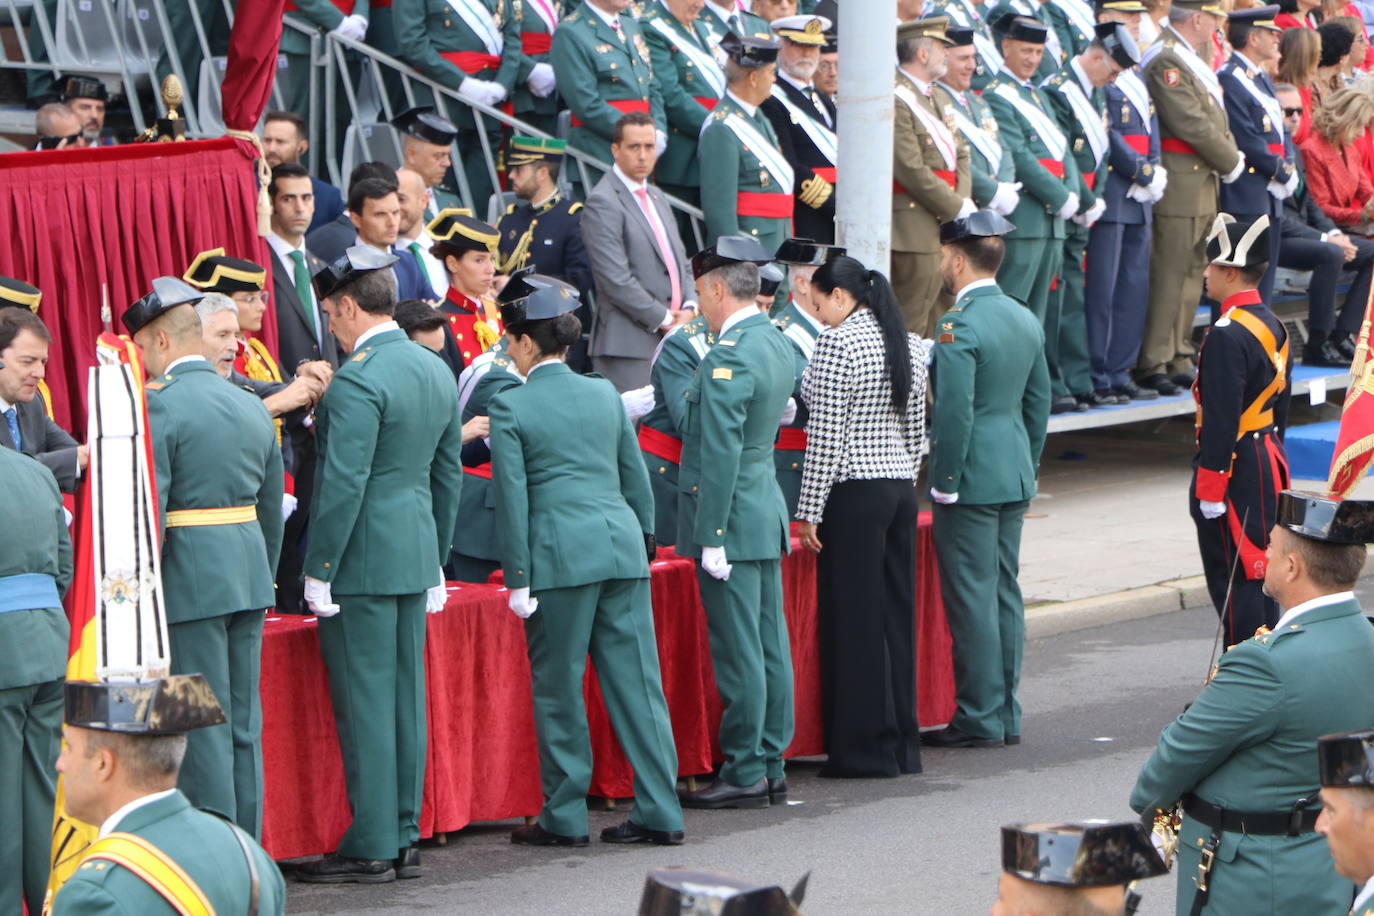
603,49
947,326
946,338
723,374
575,207
154,386
500,361
510,209
726,343
360,357
1171,76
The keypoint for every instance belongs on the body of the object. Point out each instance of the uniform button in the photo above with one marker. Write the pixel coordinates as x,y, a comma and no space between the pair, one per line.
794,465
662,470
326,566
1199,841
519,572
719,532
694,489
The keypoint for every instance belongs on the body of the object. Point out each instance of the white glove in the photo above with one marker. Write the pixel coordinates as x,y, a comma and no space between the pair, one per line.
483,92
1070,207
637,401
1292,183
1092,215
1278,191
1158,183
319,599
789,413
714,562
944,499
966,208
437,596
1144,195
1235,172
660,141
521,603
542,81
1006,198
1211,510
288,505
353,28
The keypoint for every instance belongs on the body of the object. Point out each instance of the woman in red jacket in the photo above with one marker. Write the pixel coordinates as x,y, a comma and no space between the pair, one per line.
1336,176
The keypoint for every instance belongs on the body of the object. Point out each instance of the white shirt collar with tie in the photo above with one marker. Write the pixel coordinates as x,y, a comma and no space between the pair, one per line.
1366,896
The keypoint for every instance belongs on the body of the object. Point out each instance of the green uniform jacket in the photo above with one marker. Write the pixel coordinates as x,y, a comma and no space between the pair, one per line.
729,488
673,368
1042,193
1071,38
992,399
320,13
389,473
1248,743
681,83
801,333
33,539
214,446
1187,112
596,67
1053,89
567,471
475,534
427,29
926,199
202,844
522,19
984,176
734,169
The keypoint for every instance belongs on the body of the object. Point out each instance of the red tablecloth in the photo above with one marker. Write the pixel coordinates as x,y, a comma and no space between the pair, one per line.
482,760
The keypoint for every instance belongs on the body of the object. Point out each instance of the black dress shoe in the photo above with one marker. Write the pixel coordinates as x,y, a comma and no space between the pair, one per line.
1160,382
1065,403
1327,353
407,864
1182,379
1133,392
630,832
777,790
535,835
337,869
720,794
1012,740
1097,399
949,736
1346,344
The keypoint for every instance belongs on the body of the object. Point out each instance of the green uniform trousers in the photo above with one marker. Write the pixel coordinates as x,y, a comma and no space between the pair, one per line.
1178,257
614,622
1027,271
1069,350
375,651
753,665
789,466
222,771
663,483
916,283
987,619
30,734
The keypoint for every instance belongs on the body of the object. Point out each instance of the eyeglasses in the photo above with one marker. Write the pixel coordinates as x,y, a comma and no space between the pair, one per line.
1292,112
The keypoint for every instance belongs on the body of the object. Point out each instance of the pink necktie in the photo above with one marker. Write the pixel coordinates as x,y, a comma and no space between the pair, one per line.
664,248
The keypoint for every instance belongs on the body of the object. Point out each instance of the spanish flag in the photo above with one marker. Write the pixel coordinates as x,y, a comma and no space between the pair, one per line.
1355,442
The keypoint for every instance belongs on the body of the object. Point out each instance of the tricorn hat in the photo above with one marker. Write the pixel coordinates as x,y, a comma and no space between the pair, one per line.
729,249
356,261
770,278
18,294
1080,855
806,253
84,87
1346,761
424,123
530,296
959,36
1116,38
1325,518
1237,244
215,272
167,294
456,230
978,224
749,52
681,892
157,706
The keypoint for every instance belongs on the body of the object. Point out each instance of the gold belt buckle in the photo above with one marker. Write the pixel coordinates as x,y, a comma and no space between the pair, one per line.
1204,867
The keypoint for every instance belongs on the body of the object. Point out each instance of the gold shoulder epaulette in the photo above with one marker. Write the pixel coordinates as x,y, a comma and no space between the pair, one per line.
510,208
575,207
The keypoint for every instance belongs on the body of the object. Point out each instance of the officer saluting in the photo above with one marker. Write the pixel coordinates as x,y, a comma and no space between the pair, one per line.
1242,408
1074,868
1345,764
1240,758
156,853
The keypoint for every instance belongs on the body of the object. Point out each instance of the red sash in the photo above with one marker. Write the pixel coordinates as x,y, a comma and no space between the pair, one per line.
1090,179
763,204
624,106
660,444
1053,166
791,439
1276,149
536,42
343,6
481,470
1138,142
471,62
707,102
1174,145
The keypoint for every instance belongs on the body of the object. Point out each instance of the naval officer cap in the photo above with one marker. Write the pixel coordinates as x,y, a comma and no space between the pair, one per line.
929,27
215,272
1117,41
167,294
356,261
803,30
1014,27
749,52
806,253
1235,244
1346,761
1258,17
729,249
979,224
530,296
1326,518
682,892
169,705
424,123
18,294
1080,855
1120,6
84,87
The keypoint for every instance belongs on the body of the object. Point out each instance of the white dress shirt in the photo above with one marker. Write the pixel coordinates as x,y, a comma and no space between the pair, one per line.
1366,896
113,820
657,225
435,272
372,332
1293,613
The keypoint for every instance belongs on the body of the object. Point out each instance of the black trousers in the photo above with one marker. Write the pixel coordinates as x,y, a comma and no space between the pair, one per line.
1260,471
1326,263
866,597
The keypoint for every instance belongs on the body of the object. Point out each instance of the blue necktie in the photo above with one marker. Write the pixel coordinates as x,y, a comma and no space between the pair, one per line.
12,420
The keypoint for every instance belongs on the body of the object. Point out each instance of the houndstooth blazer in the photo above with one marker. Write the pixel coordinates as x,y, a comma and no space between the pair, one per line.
853,432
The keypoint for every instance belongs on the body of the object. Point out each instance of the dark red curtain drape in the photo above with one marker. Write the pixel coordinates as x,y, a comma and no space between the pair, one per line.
252,61
72,221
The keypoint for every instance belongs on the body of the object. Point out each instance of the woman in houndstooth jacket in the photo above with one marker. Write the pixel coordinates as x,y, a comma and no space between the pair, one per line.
866,391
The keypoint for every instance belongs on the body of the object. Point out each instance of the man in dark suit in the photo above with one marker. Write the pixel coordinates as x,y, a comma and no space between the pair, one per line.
27,428
643,283
284,140
804,120
374,208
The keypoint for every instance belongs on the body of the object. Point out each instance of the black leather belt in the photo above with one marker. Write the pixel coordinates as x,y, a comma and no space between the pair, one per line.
1301,818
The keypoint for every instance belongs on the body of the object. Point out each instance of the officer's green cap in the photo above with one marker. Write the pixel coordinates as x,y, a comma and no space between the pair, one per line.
525,150
930,27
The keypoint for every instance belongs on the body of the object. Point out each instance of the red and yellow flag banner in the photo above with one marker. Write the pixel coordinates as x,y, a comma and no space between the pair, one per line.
1354,450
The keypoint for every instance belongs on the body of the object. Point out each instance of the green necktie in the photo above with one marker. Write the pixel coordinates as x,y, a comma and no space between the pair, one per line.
415,253
303,290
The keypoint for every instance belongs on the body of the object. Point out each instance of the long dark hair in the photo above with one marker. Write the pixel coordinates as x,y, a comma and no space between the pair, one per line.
870,288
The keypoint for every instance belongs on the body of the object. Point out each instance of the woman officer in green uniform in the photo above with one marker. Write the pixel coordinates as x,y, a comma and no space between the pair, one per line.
573,511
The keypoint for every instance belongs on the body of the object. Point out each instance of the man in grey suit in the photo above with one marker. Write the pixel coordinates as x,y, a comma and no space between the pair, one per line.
643,282
26,426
